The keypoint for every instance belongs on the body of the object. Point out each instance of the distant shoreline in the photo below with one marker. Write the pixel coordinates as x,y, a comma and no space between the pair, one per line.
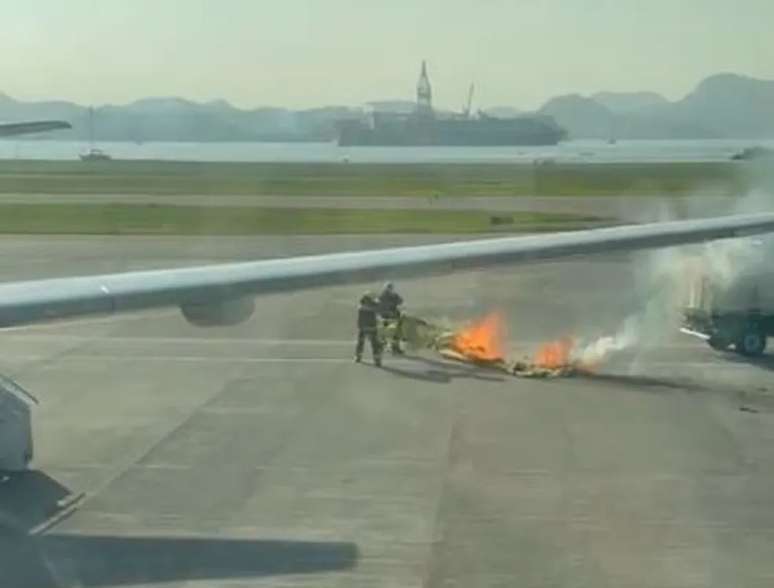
581,151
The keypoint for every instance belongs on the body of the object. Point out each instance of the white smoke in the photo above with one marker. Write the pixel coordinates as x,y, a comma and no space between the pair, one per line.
593,352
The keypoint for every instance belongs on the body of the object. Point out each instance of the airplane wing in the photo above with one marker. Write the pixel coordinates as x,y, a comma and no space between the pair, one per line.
224,293
38,126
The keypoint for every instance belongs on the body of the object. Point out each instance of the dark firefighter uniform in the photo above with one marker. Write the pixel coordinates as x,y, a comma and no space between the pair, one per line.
367,329
389,309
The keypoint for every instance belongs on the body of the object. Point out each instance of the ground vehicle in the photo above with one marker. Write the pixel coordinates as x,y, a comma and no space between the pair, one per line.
16,449
736,313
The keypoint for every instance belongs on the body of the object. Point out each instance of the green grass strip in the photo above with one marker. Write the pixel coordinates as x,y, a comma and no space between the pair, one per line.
340,179
151,219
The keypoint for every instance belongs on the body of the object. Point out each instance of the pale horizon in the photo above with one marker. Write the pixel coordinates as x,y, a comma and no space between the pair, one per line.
305,53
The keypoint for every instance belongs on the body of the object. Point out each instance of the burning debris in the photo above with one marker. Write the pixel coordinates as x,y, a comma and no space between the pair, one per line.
568,356
483,343
555,354
529,369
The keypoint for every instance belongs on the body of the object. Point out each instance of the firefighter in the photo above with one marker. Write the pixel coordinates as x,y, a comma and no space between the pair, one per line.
366,328
389,309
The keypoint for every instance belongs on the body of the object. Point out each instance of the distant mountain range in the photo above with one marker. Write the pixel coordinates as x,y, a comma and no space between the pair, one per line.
724,106
721,106
177,119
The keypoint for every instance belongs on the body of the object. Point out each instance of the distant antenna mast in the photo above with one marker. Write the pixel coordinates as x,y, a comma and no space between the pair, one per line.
91,127
469,103
613,138
424,93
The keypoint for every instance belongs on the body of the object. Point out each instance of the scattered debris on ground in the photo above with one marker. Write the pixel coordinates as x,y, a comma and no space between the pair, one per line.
482,344
744,408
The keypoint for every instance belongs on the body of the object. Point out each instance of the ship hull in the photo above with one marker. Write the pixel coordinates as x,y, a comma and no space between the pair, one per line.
527,131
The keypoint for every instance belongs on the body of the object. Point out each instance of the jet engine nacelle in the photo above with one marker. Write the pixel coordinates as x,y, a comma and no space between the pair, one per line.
219,314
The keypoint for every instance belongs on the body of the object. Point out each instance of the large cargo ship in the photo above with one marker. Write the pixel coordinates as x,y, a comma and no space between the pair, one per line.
425,127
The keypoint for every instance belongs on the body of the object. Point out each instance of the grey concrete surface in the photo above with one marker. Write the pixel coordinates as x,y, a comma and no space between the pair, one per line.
261,455
626,207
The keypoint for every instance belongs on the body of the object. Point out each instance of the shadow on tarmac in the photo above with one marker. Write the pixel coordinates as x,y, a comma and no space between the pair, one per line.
645,383
110,561
756,399
57,560
765,361
27,499
441,372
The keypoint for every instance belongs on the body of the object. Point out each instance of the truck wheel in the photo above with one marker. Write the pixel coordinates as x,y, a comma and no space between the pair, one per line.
752,343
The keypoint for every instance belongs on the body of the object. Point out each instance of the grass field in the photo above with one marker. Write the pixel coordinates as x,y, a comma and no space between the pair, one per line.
347,179
130,219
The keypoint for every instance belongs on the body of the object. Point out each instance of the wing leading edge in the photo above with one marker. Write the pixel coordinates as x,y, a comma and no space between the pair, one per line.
41,300
38,126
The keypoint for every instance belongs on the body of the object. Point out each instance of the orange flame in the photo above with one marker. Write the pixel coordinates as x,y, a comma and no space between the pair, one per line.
555,354
483,340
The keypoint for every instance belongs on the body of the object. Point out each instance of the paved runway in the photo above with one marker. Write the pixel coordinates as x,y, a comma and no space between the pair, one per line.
260,455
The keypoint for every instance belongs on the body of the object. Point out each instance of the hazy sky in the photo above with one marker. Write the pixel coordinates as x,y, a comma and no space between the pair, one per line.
311,52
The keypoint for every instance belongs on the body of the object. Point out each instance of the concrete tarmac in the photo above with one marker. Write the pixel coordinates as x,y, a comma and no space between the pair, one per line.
261,455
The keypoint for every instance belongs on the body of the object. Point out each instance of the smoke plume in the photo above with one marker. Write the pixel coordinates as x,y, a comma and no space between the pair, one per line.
667,279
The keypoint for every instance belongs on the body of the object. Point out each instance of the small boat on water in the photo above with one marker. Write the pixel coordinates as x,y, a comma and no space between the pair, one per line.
95,154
